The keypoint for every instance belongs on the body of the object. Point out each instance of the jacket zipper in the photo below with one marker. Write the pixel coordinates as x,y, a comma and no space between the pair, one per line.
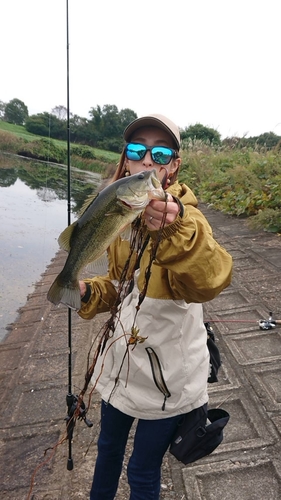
157,374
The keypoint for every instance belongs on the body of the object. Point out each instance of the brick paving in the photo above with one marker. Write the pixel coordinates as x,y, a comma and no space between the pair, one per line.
34,371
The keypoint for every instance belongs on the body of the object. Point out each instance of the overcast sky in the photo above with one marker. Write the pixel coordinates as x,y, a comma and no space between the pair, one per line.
215,62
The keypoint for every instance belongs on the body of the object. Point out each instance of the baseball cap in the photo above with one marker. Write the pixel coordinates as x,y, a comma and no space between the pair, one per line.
154,120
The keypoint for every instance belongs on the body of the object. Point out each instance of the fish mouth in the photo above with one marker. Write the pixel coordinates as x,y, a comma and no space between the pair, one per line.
156,188
139,196
156,183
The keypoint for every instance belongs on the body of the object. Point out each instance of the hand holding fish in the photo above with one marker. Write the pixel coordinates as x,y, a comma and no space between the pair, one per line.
153,214
83,288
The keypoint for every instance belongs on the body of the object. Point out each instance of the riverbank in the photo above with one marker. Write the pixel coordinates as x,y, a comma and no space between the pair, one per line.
33,371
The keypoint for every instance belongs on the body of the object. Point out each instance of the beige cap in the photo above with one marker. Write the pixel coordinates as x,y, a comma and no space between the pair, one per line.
159,121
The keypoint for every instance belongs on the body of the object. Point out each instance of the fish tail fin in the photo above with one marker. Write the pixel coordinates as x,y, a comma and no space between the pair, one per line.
65,294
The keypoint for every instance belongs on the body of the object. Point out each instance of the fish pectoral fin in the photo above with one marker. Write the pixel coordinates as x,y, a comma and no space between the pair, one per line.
126,233
65,237
99,267
121,208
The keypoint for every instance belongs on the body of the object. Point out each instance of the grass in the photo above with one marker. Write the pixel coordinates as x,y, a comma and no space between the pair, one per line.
20,132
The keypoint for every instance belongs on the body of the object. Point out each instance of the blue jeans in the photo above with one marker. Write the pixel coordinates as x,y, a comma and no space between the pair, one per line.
151,441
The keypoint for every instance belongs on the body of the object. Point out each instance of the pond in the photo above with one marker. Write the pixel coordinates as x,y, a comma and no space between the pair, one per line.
33,212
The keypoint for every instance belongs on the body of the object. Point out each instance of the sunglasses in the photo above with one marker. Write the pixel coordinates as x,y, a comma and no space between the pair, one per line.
159,154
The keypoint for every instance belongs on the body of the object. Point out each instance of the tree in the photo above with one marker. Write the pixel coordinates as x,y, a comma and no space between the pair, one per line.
60,112
108,125
38,124
126,116
111,121
202,133
268,140
2,109
106,121
83,131
47,125
16,112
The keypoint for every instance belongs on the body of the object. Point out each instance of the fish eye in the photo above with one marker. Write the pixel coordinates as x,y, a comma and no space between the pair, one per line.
141,175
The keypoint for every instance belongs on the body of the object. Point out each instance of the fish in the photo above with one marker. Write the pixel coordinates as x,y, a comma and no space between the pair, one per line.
102,219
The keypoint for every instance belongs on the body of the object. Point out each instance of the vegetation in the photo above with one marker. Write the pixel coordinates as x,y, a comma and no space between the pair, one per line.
242,182
198,132
104,127
14,139
239,176
16,112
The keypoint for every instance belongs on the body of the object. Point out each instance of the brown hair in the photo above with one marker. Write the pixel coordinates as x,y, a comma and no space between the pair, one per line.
121,169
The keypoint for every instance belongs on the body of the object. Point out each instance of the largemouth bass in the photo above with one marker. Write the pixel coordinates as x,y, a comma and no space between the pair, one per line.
103,219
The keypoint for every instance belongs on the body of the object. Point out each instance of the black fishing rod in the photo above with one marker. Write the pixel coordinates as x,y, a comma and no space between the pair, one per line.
69,395
76,408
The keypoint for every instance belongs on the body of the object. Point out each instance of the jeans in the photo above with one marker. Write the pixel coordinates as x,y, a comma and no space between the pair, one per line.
151,441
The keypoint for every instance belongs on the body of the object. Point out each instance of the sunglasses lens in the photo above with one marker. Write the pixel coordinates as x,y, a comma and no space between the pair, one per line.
135,152
162,155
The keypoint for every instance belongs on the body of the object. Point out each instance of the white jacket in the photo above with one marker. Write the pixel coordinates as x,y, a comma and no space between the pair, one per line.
175,331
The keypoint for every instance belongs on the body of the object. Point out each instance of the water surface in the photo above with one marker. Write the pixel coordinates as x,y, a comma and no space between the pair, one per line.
33,212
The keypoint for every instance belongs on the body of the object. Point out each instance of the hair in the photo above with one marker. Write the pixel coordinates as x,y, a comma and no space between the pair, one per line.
121,168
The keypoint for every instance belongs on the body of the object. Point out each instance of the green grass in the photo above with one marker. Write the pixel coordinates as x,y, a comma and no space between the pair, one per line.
19,131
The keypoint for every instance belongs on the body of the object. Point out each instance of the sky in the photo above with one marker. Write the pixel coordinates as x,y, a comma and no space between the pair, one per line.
214,62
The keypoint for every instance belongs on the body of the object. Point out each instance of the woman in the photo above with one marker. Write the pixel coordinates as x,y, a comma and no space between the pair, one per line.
161,373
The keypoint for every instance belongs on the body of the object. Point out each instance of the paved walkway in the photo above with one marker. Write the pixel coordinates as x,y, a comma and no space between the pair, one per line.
34,370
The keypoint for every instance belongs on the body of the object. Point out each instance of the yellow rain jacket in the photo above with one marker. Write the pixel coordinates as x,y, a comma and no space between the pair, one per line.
190,268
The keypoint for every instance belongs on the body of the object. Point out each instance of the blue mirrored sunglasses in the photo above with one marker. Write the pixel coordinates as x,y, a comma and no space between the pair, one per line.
159,154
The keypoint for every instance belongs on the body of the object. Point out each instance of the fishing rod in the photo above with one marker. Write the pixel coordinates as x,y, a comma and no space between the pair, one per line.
69,394
264,324
73,404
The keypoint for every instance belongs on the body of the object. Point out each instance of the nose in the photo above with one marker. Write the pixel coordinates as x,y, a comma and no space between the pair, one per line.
147,160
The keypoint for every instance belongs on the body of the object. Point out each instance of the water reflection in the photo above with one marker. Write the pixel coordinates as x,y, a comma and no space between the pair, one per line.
33,212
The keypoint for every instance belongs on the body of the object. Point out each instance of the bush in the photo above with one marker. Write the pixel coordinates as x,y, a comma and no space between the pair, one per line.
237,182
268,219
83,152
44,149
10,143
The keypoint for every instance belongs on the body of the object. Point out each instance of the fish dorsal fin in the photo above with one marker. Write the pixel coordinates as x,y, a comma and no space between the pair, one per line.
99,267
65,237
89,200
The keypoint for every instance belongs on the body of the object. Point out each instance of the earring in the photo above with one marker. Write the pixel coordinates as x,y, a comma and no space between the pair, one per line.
127,173
168,181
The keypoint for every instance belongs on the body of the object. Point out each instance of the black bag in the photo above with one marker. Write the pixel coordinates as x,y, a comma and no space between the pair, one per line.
215,359
196,440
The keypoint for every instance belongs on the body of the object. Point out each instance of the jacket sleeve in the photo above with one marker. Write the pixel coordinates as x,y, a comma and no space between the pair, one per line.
198,267
103,295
